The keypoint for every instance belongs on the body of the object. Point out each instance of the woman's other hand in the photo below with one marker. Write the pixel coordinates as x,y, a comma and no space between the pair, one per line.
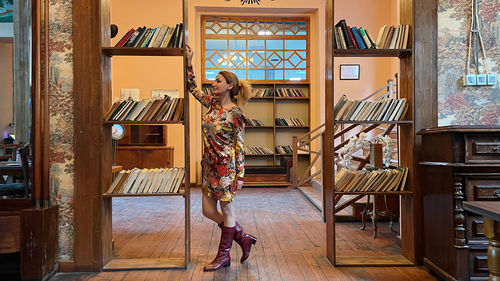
189,55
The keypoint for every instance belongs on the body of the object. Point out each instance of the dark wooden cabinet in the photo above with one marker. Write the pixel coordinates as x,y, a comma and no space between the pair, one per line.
459,163
130,157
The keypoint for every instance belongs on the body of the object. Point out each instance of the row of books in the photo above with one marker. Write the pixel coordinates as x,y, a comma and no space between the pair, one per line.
288,92
389,37
158,37
254,122
377,180
163,109
393,37
147,181
261,92
363,110
278,92
284,149
257,150
291,122
347,37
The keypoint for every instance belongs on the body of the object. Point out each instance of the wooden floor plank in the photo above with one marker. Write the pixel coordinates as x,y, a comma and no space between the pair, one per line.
291,243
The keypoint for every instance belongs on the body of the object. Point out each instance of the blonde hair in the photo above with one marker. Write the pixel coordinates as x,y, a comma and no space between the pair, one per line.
241,88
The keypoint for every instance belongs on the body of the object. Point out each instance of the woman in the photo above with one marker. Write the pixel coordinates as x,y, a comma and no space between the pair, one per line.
223,129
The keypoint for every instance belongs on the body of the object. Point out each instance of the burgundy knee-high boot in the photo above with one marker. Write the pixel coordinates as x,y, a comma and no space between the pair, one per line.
243,239
226,241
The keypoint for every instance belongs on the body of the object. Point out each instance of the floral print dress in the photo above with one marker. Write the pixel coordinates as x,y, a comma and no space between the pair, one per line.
223,159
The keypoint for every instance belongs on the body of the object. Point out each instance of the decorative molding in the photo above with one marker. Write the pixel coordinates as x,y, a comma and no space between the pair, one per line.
459,214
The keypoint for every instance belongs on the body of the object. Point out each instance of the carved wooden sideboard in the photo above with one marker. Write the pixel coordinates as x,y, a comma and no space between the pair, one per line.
458,163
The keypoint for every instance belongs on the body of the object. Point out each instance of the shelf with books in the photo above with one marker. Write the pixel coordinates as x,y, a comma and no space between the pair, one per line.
150,112
390,50
400,122
133,51
292,127
399,53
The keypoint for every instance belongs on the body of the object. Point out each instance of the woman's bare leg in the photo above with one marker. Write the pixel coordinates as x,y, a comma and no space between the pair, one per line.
229,214
209,208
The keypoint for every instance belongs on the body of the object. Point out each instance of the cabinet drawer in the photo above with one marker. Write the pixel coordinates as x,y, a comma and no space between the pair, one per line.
478,263
474,230
482,148
482,189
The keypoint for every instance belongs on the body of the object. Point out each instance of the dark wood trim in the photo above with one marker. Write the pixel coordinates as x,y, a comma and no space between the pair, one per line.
88,135
436,269
425,104
372,53
128,51
456,128
328,171
67,266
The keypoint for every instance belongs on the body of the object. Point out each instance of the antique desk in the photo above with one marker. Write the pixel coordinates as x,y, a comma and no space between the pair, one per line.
457,164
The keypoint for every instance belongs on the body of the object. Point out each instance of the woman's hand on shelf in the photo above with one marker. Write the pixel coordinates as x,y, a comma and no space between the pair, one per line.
189,55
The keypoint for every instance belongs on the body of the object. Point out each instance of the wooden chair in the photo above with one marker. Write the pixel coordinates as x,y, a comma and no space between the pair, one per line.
8,151
21,189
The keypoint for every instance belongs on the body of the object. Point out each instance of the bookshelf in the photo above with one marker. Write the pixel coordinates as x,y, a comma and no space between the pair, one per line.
183,187
271,135
410,252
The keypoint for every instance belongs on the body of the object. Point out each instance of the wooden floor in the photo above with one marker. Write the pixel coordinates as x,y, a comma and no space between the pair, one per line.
291,241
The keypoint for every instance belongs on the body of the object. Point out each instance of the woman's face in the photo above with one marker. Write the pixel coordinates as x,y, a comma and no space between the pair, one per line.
220,86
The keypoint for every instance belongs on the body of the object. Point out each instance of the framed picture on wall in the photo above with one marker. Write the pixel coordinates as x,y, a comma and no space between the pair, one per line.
349,72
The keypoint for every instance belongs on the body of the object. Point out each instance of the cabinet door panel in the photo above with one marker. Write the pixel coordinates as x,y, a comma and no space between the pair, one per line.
128,158
160,158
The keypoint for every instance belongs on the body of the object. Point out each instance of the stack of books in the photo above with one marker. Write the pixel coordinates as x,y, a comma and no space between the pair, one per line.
383,110
254,122
290,122
147,181
393,37
165,109
261,93
288,92
347,37
158,37
257,150
377,180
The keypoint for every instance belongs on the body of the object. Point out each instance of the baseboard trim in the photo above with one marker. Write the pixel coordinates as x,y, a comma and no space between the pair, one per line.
67,266
436,269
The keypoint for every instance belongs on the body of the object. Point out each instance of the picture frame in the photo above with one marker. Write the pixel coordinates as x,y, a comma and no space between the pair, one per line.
349,71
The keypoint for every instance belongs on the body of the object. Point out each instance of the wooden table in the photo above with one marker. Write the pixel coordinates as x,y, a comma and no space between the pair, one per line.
490,210
9,169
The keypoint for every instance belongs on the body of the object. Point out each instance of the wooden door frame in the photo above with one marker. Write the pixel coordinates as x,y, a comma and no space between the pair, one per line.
40,114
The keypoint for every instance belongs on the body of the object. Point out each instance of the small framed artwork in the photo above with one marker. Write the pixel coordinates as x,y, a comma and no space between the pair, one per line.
349,72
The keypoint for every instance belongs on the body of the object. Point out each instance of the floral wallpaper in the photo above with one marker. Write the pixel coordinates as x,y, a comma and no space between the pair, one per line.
61,121
459,105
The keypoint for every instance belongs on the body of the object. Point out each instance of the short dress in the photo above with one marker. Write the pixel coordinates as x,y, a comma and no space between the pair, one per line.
223,159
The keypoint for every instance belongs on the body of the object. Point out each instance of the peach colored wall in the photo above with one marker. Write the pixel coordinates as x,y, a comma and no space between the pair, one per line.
374,72
6,87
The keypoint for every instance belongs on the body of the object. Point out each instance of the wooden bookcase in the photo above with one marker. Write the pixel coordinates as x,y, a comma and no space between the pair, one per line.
267,109
416,65
110,263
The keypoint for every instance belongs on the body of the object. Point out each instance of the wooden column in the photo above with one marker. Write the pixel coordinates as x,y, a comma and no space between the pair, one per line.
328,173
92,140
22,69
